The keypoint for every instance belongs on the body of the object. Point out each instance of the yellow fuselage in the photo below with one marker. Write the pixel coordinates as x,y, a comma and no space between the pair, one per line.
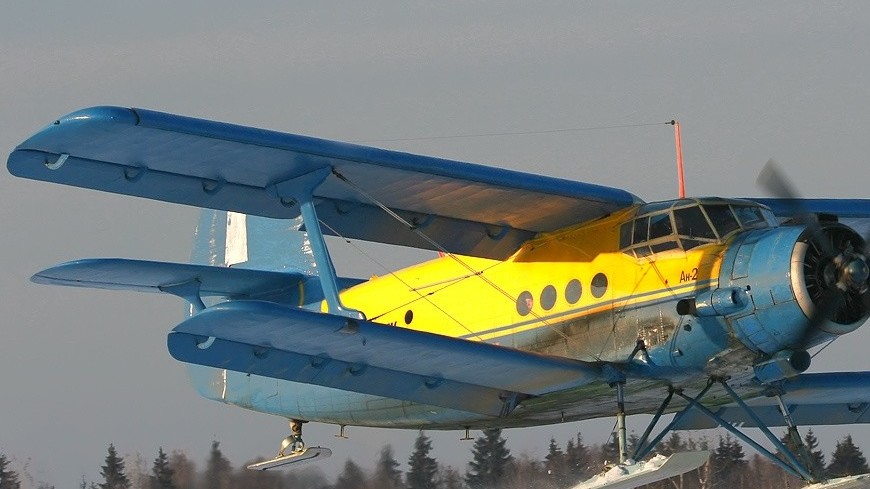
488,300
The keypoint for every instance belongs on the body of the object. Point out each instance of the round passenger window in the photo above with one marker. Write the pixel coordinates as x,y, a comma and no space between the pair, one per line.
525,302
548,297
573,291
599,285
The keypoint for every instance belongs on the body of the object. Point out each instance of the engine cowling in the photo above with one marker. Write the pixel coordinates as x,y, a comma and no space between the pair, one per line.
801,292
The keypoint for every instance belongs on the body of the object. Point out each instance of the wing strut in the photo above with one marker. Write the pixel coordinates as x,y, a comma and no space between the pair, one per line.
299,190
793,465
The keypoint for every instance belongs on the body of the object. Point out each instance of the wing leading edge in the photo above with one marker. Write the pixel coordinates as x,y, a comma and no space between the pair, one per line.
272,340
470,209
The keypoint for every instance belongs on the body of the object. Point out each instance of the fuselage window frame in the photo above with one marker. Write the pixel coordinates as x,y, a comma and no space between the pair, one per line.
688,224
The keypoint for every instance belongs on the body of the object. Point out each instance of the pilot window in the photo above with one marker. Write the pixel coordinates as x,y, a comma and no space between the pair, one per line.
750,216
660,233
691,223
660,226
723,219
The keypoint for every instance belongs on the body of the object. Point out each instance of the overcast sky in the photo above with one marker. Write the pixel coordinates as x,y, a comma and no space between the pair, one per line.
82,368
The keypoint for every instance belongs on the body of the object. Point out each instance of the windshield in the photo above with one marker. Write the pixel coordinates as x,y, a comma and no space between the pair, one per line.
688,223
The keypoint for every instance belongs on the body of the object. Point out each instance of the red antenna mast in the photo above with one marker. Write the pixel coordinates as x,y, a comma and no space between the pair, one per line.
680,181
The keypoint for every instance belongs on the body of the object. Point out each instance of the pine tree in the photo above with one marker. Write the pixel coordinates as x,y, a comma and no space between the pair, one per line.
578,459
847,459
490,462
161,473
136,470
113,471
387,473
218,472
183,470
8,477
422,469
555,464
525,473
817,458
449,478
728,463
352,477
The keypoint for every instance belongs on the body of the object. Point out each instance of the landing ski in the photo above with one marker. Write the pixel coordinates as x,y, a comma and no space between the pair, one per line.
312,454
642,473
852,482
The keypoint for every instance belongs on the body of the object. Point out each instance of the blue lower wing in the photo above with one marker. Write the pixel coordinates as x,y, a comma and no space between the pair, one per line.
812,399
287,343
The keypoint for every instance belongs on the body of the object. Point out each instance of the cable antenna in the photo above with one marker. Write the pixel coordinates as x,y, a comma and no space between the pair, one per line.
517,133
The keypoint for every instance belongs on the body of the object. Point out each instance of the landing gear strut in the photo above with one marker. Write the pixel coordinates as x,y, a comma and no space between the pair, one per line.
795,464
298,452
294,441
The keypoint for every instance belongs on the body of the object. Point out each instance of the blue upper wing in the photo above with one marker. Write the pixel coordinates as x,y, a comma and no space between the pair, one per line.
469,209
842,208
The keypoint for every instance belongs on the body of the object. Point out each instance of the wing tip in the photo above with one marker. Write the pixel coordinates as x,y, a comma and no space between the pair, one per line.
107,113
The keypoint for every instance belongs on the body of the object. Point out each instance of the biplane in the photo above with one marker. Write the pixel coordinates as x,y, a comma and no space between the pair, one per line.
550,300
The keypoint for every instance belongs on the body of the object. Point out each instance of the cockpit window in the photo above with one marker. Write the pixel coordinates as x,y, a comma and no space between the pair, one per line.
641,228
687,223
625,232
691,223
660,226
750,216
723,219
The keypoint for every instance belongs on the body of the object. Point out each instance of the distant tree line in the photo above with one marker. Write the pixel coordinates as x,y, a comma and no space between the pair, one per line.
492,467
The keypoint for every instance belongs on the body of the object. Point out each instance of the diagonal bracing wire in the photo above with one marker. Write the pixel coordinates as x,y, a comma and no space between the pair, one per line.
421,295
440,248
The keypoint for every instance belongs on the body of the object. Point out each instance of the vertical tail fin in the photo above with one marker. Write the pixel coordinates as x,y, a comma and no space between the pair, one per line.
238,240
232,239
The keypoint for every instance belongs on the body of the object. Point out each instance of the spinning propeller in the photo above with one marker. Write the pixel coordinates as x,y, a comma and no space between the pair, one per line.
835,268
